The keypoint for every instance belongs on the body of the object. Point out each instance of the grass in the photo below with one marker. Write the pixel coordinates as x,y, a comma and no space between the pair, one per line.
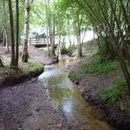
33,67
30,69
115,93
95,66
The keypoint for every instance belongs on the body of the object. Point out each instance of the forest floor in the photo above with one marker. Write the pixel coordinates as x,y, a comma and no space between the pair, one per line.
23,106
35,66
91,85
26,106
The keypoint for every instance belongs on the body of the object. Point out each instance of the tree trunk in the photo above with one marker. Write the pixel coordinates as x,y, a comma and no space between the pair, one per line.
124,69
79,46
53,34
7,44
48,43
122,62
47,20
5,25
126,52
17,33
79,22
3,39
68,31
25,54
1,64
52,52
12,63
52,29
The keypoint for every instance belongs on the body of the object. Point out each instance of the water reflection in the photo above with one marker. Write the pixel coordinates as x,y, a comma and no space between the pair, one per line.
67,99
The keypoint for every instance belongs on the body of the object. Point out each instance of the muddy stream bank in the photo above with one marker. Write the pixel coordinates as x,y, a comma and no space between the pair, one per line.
49,102
67,100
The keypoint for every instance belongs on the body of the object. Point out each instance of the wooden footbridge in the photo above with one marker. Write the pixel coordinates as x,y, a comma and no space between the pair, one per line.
40,42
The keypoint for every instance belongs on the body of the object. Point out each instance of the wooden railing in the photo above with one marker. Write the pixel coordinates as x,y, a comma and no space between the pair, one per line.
40,42
33,41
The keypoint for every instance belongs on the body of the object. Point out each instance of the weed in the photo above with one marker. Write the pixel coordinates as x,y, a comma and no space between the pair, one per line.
115,93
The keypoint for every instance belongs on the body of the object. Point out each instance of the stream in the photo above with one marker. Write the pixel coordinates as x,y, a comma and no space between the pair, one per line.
67,100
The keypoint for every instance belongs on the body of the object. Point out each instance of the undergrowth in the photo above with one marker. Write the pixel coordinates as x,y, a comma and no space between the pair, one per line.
33,67
95,66
68,50
114,93
30,69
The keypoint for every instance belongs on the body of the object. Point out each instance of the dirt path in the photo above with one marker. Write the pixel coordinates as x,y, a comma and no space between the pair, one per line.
39,55
34,54
27,107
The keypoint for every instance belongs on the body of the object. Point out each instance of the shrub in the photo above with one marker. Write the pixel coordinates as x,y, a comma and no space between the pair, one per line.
68,50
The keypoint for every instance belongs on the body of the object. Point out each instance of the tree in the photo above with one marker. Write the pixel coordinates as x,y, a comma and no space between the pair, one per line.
13,63
47,28
14,35
51,26
4,22
25,54
17,33
108,19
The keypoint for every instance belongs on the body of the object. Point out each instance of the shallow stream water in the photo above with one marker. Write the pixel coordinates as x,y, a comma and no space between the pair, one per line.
67,100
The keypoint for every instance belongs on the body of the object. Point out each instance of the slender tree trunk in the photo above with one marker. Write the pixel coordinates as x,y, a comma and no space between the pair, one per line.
12,63
48,43
17,32
1,64
52,52
79,46
5,25
53,33
59,47
124,69
122,62
53,39
50,27
47,20
80,54
68,30
7,44
25,55
3,38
